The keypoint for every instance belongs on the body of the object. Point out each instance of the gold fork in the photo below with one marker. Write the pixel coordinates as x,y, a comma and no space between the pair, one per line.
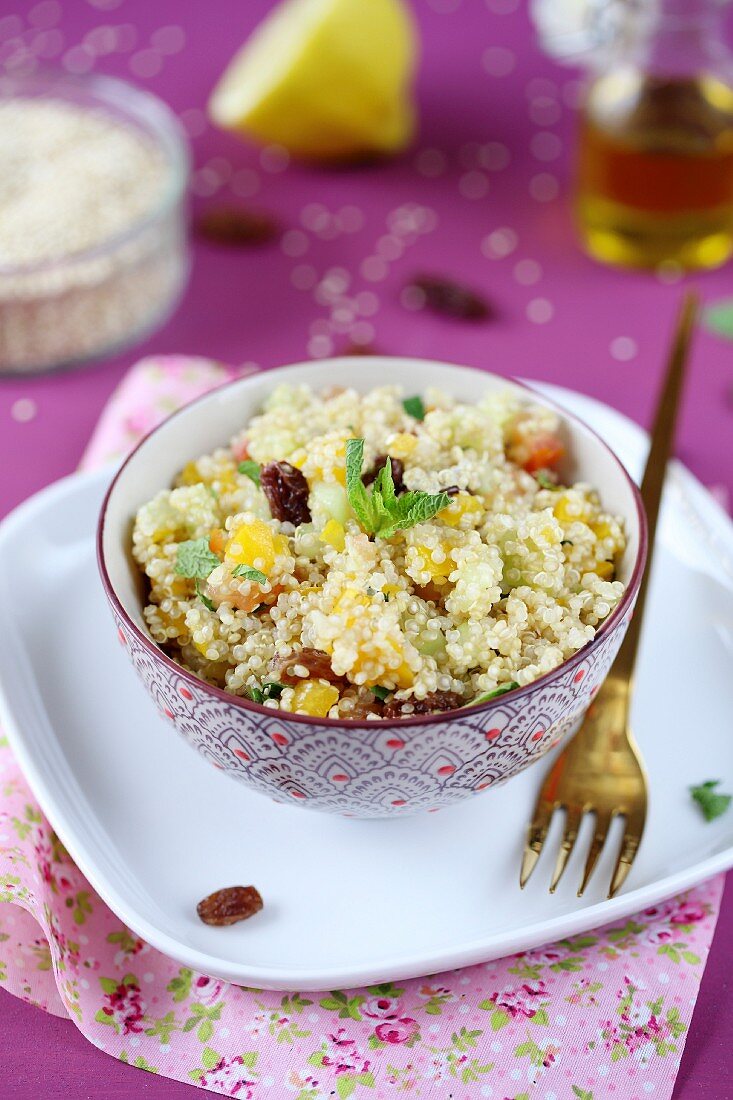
601,771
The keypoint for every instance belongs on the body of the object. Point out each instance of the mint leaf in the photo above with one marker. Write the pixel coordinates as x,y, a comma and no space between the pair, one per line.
194,558
545,481
413,406
381,512
204,599
710,802
255,695
272,690
359,499
502,690
249,573
251,469
380,692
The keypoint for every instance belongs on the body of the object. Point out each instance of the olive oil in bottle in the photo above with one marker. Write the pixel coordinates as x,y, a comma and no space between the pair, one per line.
655,164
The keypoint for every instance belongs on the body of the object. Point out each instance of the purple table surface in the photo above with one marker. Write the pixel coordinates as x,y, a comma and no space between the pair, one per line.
486,94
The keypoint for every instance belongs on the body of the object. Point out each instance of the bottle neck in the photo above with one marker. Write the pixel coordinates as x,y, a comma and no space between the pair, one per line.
683,37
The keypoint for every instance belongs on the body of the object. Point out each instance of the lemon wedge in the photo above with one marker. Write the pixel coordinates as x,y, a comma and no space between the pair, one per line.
325,79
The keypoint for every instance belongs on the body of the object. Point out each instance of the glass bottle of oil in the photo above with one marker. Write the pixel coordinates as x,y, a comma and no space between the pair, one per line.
655,166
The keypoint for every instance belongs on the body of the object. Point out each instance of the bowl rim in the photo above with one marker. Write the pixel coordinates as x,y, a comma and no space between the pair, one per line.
468,710
136,108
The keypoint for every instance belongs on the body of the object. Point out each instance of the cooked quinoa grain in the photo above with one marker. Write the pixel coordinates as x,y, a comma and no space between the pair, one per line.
393,597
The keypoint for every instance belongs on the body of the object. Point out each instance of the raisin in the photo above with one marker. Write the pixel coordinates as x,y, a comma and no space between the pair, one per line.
359,349
443,295
317,663
435,701
451,491
230,905
234,225
287,492
398,471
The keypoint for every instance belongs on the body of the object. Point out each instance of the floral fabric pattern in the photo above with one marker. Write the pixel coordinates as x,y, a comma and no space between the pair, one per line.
600,1014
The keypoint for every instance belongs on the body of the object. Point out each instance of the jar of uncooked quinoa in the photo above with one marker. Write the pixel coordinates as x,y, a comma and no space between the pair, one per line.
93,223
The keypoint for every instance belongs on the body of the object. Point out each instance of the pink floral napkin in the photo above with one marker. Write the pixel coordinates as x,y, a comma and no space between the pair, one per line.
599,1015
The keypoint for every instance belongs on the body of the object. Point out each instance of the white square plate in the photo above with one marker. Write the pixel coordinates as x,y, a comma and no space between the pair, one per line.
347,902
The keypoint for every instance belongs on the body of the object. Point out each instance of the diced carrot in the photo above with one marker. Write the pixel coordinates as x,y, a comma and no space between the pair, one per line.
545,451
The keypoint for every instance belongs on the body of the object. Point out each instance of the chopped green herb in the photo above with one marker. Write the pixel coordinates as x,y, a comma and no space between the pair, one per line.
711,803
380,512
255,695
195,559
272,690
380,692
204,599
413,406
545,481
249,573
251,469
502,690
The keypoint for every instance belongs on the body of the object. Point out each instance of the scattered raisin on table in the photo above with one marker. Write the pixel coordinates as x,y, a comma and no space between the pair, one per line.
435,701
234,225
443,295
287,492
317,663
398,471
232,904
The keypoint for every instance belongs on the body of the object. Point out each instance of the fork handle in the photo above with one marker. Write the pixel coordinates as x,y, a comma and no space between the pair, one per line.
662,442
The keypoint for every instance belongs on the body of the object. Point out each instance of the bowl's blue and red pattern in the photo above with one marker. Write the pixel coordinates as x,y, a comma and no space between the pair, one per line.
379,769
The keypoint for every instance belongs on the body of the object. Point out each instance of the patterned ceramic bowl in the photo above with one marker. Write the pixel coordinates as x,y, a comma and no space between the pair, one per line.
363,769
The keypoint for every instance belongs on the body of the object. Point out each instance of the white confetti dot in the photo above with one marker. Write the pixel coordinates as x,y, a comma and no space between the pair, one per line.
349,219
362,333
545,111
540,311
473,185
545,146
543,187
497,1047
498,61
245,183
274,158
540,86
336,281
431,163
47,44
499,243
494,156
193,121
389,247
303,277
205,182
146,63
294,242
669,271
342,318
23,410
413,298
221,168
366,303
126,36
374,269
78,60
623,348
314,216
527,272
101,40
168,40
44,15
320,347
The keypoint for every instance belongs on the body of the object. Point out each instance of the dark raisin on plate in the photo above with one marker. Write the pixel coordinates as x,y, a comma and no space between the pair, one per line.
397,469
431,704
287,492
451,298
237,226
232,904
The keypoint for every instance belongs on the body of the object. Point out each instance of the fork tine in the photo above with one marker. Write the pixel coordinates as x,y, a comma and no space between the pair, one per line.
573,818
536,836
633,830
600,833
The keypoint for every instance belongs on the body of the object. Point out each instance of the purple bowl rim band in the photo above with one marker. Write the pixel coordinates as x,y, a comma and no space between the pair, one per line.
443,717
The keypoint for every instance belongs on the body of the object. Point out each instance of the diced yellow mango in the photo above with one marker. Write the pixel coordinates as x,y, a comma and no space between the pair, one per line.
402,444
436,569
602,529
333,535
255,544
314,697
605,570
464,504
570,511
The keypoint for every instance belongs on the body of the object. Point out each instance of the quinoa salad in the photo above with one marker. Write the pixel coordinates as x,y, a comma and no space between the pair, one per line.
379,555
